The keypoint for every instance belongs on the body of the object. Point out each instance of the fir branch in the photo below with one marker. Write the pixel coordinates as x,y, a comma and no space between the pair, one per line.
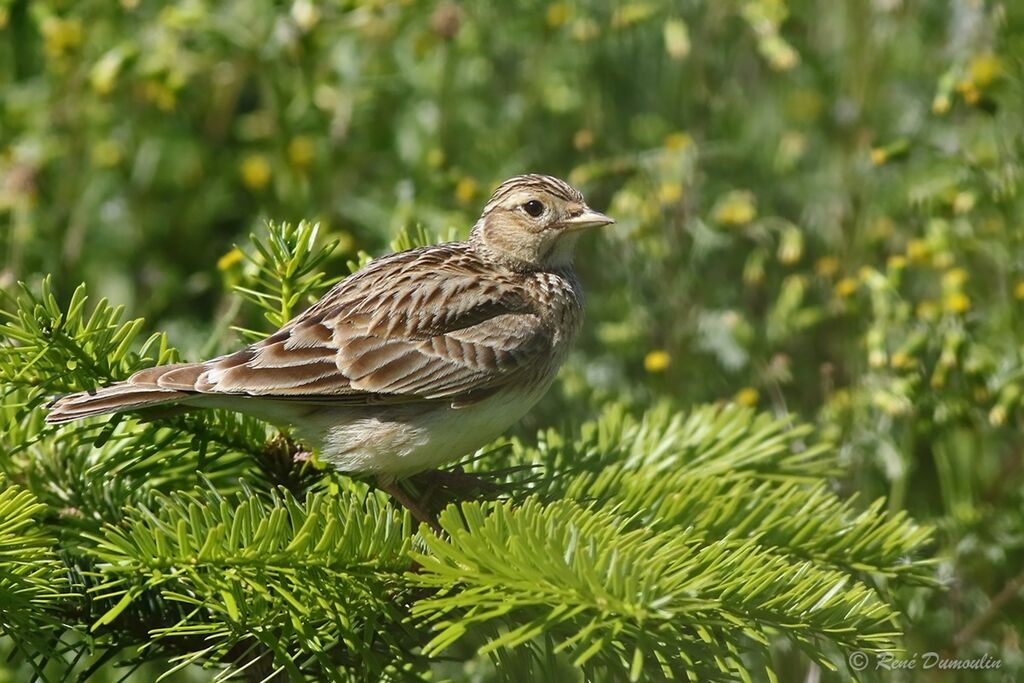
312,586
725,442
33,581
806,521
416,236
729,471
685,543
715,478
409,237
282,275
50,350
633,602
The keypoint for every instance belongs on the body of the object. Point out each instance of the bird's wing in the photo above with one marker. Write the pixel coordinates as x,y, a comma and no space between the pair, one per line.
426,324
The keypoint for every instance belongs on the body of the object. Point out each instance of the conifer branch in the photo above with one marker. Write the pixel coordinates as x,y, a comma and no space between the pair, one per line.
654,545
33,581
283,274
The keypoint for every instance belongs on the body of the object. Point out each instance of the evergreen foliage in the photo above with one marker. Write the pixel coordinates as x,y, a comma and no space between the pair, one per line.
31,574
659,545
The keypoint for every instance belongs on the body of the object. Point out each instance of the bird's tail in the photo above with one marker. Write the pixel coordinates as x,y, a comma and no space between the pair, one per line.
151,387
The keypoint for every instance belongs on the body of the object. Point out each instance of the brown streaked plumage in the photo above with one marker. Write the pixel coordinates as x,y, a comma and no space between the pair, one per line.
417,359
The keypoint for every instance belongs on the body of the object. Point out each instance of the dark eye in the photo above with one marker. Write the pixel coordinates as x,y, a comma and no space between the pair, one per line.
533,207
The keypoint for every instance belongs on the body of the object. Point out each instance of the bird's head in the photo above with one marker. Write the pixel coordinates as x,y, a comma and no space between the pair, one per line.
533,221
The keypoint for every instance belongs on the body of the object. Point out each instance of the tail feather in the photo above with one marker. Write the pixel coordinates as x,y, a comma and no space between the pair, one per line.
141,390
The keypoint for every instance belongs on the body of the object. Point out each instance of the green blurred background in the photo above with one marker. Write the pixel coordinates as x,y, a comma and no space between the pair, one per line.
819,206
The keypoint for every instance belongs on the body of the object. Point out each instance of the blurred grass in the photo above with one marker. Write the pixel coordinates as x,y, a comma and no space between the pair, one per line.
819,204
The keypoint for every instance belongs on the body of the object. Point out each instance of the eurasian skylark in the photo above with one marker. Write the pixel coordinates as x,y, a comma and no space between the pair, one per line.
416,360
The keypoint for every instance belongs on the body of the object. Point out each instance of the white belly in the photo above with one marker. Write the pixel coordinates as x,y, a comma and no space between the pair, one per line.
403,440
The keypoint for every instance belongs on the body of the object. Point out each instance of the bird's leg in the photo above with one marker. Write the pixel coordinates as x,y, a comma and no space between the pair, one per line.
394,489
456,483
457,479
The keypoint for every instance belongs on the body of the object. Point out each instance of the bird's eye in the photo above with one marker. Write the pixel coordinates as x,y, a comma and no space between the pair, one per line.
533,207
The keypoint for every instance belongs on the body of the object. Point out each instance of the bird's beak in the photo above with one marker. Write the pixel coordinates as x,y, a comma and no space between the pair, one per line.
587,219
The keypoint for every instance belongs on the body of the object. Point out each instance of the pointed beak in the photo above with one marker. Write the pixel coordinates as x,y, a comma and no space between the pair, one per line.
587,219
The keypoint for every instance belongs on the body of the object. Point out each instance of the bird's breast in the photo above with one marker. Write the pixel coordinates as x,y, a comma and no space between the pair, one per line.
559,297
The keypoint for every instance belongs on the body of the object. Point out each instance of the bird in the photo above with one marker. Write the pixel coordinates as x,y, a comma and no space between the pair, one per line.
414,361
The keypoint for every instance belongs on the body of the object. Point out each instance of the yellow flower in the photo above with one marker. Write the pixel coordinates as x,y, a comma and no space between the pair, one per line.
585,30
894,150
657,361
779,53
971,94
997,416
1018,291
106,153
677,39
103,75
942,259
557,14
435,158
900,359
892,404
881,228
984,69
1009,398
305,14
327,98
957,303
927,310
792,147
160,94
61,35
747,396
229,259
791,246
897,262
941,104
846,287
678,141
465,190
963,202
301,151
735,208
839,399
632,13
827,266
917,250
670,193
255,170
954,279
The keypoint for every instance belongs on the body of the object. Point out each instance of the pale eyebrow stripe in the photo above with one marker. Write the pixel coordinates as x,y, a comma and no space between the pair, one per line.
549,184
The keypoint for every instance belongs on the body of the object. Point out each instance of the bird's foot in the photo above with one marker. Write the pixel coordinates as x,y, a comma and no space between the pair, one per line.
435,489
418,511
455,482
